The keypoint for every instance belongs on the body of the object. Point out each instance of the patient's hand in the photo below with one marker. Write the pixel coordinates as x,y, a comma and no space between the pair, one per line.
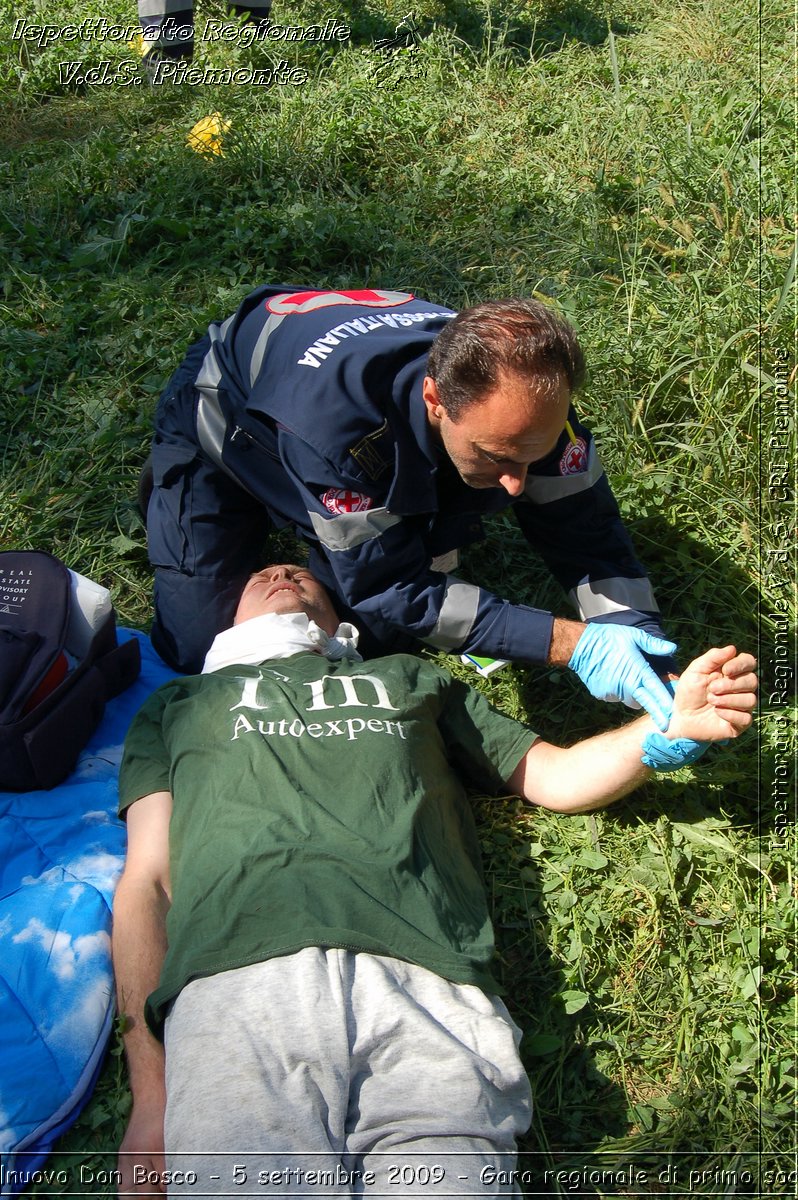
142,1147
715,696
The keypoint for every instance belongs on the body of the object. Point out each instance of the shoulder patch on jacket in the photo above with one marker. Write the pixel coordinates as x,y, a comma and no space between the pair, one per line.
574,459
342,500
370,454
302,302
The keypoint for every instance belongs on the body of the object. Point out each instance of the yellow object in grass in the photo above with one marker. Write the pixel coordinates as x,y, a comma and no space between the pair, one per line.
206,136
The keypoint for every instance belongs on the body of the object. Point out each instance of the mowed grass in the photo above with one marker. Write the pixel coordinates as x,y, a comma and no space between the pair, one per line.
632,164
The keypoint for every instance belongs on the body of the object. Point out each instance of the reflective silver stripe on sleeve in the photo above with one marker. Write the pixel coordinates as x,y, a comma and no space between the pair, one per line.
260,346
457,616
543,489
211,427
211,424
219,332
348,530
210,373
211,421
594,599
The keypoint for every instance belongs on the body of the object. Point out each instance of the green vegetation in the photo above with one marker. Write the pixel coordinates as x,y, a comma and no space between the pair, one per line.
632,163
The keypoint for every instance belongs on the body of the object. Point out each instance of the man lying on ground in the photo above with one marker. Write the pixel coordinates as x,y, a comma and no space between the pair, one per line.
301,934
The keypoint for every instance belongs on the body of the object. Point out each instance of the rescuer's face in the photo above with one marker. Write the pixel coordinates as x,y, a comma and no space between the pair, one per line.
494,442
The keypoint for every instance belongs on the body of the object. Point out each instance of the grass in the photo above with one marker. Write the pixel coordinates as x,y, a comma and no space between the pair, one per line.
633,165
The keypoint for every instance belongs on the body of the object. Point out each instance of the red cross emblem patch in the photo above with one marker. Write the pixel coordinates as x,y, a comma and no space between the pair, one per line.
574,459
342,500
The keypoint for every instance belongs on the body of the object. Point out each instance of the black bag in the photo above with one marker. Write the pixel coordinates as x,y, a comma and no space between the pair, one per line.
56,671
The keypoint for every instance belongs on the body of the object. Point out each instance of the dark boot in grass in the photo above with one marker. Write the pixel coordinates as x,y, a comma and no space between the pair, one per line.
168,38
175,38
253,14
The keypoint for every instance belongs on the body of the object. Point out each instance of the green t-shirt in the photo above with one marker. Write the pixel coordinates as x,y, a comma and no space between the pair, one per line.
321,804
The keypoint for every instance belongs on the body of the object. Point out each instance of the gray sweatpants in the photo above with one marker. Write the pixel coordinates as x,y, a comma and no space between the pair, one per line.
330,1073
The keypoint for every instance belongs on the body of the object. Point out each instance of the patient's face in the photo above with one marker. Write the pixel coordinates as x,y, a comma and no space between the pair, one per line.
287,589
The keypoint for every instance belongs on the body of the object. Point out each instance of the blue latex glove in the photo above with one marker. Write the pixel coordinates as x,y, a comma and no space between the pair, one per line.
609,661
663,755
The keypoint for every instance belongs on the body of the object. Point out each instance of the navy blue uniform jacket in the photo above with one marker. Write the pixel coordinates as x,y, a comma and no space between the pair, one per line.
310,403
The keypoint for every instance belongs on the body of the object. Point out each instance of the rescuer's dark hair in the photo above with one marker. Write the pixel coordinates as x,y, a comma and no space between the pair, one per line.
480,344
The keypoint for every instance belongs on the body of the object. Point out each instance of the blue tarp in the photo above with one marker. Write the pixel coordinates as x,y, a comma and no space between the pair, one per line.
61,852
